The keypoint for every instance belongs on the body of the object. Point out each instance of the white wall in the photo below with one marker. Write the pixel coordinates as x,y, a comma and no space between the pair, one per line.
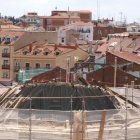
86,33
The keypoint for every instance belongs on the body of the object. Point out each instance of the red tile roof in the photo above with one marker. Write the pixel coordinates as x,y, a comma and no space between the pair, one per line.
63,17
80,23
85,11
4,33
57,74
127,56
10,27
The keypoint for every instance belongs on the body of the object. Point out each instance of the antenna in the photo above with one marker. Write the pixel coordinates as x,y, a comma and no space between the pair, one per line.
68,15
121,14
98,9
56,7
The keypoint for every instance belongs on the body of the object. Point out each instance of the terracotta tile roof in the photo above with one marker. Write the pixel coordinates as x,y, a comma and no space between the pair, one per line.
11,34
4,33
10,27
127,56
85,11
63,17
3,22
102,75
57,74
102,48
80,23
42,46
137,48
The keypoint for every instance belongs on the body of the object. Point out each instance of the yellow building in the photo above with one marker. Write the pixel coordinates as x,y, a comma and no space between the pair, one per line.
41,55
28,50
7,39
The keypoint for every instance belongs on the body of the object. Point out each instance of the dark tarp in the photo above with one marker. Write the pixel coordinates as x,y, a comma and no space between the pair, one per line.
64,90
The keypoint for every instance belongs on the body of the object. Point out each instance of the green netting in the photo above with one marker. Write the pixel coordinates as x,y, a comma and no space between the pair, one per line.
97,67
26,75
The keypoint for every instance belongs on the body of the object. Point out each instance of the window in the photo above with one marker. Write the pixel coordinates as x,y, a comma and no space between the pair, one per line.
57,53
5,74
46,53
7,40
5,62
62,40
48,66
17,67
25,52
99,32
35,53
5,50
27,66
37,65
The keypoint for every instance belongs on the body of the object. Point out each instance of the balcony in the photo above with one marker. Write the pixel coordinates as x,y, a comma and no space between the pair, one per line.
5,54
6,66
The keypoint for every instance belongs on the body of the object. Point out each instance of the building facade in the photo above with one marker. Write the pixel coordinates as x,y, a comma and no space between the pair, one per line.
31,18
41,55
7,40
62,18
84,31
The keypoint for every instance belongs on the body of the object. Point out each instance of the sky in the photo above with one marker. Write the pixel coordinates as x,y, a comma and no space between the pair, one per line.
119,9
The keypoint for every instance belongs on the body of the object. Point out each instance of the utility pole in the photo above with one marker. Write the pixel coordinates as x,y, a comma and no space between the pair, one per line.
71,120
115,72
132,86
30,118
68,69
68,16
98,9
126,112
83,118
121,16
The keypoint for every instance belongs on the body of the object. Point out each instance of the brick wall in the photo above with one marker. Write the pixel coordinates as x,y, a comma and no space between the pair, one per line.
106,77
86,17
100,32
110,59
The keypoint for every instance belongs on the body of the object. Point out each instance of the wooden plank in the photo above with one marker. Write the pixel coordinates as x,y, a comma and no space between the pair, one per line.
102,124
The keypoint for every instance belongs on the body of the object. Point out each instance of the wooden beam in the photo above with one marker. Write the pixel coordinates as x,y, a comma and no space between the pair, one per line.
102,124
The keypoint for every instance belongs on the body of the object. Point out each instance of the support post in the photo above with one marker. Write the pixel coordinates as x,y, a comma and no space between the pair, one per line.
126,111
71,116
132,86
115,72
30,119
102,124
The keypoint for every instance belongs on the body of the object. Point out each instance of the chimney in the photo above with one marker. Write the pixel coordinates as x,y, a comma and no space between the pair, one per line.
90,47
30,47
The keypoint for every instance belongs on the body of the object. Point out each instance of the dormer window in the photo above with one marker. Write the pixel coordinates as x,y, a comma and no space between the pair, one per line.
7,40
25,52
46,53
57,53
35,52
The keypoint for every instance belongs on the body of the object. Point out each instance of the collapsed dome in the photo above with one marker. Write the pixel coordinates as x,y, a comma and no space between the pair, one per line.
64,97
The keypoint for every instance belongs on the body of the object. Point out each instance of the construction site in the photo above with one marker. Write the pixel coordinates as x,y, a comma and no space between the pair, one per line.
59,111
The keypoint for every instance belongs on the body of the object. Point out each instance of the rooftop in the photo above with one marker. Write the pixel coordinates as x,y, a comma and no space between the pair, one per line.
127,56
62,17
